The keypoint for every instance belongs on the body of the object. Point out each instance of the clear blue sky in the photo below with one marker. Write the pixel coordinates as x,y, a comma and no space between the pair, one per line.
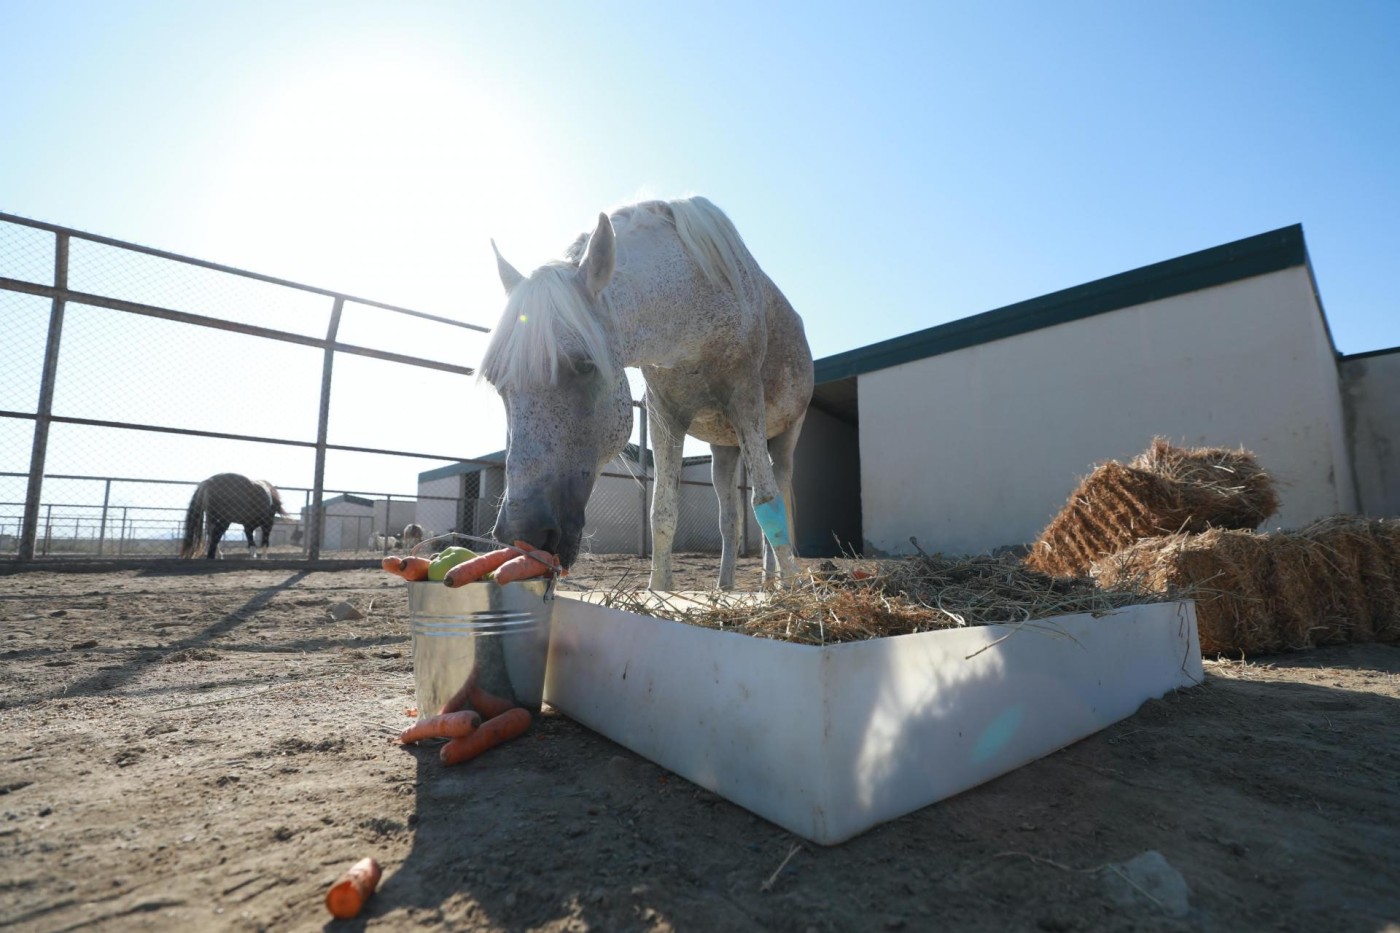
893,166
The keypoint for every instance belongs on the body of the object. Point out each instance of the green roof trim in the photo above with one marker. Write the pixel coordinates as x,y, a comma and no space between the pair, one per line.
1348,357
1257,255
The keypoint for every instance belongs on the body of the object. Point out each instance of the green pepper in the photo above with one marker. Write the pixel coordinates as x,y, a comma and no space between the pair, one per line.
446,559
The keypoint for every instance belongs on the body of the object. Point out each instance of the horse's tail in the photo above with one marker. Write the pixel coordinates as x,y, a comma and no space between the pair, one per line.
194,523
711,240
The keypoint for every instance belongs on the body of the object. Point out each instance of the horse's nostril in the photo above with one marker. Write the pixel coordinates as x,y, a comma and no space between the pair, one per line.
551,541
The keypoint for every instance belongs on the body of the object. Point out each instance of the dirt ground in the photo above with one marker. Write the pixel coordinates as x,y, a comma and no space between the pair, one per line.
208,750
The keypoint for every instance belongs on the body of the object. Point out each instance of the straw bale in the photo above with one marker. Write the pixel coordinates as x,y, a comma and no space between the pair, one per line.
1367,552
1221,569
1165,490
1332,582
1226,488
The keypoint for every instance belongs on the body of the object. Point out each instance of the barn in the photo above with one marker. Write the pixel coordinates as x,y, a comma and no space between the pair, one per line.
465,497
969,435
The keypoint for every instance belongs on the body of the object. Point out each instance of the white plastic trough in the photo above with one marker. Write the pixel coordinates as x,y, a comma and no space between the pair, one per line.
830,741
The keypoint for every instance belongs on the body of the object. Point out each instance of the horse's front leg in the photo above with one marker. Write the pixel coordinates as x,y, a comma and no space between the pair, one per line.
724,469
665,502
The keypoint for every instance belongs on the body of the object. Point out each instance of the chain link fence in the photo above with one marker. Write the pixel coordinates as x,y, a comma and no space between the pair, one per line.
128,375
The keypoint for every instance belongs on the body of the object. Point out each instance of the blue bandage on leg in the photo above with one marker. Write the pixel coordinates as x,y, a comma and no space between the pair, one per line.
772,518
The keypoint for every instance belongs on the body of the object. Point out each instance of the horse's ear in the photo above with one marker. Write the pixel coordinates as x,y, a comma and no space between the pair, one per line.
509,277
601,257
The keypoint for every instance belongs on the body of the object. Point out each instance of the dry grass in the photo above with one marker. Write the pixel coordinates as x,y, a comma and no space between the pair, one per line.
898,597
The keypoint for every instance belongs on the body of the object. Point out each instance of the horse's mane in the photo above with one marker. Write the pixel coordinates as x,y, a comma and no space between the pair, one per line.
548,307
540,313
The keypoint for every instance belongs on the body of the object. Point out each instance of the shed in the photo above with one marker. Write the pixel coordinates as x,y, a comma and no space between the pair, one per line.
969,435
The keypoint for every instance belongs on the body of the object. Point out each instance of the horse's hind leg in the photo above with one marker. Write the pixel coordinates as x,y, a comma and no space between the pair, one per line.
724,470
217,527
248,533
746,414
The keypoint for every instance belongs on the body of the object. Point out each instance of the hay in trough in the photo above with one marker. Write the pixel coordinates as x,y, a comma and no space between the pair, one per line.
1337,580
1165,490
885,598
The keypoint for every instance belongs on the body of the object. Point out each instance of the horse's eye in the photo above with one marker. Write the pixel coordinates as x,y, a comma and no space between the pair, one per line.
585,367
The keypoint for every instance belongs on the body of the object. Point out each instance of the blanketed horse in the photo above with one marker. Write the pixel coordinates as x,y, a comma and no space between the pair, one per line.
670,287
225,499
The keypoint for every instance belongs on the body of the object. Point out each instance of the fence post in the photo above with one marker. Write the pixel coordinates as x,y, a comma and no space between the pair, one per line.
645,525
318,520
30,528
102,531
48,527
121,542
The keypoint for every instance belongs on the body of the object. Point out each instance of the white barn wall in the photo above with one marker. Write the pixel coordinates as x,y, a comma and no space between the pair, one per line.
980,447
437,503
1372,387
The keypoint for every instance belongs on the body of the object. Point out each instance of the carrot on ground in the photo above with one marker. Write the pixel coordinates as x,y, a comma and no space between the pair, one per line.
470,694
347,896
470,571
415,568
534,564
446,726
491,733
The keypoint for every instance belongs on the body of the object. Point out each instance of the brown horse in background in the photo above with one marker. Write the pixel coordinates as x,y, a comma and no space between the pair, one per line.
224,499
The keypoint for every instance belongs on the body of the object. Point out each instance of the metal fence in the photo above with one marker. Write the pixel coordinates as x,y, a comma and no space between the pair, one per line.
129,374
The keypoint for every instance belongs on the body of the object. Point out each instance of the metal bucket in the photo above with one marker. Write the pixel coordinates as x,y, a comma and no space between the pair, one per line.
486,642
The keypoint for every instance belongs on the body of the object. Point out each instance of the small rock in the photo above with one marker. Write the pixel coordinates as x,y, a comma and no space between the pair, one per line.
343,611
1149,879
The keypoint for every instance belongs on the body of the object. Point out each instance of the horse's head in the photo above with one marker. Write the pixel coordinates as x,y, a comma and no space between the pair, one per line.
553,359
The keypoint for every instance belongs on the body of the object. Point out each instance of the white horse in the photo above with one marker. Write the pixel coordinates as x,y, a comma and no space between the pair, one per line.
671,288
385,543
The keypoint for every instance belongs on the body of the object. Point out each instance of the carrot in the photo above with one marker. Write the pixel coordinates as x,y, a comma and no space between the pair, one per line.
393,564
446,726
488,704
348,895
470,571
535,564
493,732
460,699
415,568
470,694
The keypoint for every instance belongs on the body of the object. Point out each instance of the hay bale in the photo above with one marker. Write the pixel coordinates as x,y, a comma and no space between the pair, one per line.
1166,490
1335,581
1362,549
1222,570
1225,488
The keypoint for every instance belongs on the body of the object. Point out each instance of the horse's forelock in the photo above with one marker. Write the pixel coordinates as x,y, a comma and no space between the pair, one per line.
542,314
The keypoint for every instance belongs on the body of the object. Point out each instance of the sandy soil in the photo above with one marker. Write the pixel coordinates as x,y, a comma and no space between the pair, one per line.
191,751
